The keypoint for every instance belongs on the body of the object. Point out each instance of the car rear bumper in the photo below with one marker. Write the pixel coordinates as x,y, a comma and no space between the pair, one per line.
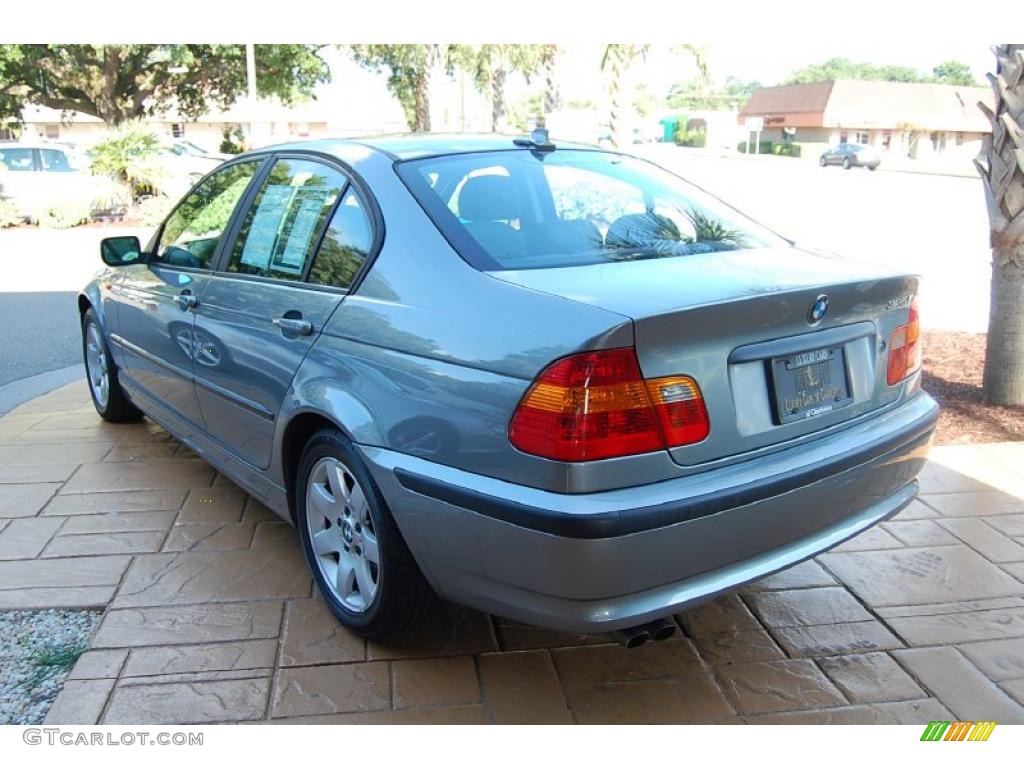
603,561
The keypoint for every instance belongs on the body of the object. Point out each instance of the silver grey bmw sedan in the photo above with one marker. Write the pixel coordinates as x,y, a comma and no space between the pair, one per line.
547,381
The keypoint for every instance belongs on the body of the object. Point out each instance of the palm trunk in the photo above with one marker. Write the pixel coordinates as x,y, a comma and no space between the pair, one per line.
614,95
552,98
1003,176
498,109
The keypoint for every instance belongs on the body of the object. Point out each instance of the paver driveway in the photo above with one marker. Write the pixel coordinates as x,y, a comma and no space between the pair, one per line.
210,615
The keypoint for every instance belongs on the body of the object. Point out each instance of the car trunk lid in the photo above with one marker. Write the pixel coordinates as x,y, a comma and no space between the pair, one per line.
740,323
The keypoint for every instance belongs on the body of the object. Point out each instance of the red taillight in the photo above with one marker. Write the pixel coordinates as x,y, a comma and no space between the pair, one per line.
597,405
905,348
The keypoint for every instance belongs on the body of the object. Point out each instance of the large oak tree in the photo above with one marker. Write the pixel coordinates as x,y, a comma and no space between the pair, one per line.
118,83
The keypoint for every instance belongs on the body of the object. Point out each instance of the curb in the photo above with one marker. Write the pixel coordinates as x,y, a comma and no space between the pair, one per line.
21,391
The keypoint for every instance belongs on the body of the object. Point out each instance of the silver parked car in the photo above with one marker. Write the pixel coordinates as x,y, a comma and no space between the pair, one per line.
850,155
554,383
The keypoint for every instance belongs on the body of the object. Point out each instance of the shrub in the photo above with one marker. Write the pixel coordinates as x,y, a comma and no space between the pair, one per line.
9,216
763,148
786,149
130,155
233,140
691,138
64,215
153,210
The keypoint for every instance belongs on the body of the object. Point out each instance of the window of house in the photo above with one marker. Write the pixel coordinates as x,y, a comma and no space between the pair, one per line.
960,138
191,234
178,130
51,131
887,139
789,134
863,137
843,137
282,228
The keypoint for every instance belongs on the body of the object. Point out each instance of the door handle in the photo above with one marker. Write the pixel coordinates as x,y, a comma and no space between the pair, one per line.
294,325
187,300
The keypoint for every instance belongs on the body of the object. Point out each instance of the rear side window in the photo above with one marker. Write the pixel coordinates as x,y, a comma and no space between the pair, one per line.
519,209
346,245
54,160
281,230
16,158
191,234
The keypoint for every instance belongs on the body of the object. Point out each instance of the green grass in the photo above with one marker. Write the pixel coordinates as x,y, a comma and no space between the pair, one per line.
53,661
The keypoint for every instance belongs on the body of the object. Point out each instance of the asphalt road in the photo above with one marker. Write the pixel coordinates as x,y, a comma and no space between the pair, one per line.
40,333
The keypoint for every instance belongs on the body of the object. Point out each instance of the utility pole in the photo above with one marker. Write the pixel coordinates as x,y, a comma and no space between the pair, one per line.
250,77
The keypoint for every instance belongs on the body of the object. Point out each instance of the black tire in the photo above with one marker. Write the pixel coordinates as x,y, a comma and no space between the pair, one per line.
847,164
822,162
403,598
117,409
873,167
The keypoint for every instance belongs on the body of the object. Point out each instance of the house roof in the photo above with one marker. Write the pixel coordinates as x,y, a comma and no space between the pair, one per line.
873,104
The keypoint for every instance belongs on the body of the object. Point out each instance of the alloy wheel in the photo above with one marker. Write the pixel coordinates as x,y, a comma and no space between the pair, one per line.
342,534
97,366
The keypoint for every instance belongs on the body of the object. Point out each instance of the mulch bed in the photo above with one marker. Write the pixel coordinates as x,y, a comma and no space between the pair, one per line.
953,367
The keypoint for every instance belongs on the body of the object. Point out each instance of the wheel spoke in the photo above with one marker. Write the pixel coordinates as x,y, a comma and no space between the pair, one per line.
357,505
364,581
336,481
326,542
370,550
346,583
322,502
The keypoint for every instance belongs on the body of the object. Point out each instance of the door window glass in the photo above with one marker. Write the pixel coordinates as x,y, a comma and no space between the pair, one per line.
282,228
191,234
54,160
16,158
345,247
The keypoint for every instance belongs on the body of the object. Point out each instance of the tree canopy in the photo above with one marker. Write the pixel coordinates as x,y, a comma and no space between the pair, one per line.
118,83
949,72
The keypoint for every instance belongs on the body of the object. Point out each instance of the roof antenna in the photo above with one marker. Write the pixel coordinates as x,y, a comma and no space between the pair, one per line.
538,139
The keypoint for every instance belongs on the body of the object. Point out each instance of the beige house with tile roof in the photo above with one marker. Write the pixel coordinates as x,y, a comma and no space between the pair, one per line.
910,119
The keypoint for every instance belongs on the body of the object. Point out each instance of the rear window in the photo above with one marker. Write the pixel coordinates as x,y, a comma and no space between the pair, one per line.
519,209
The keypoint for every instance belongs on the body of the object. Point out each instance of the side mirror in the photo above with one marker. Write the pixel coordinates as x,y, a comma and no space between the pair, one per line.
121,251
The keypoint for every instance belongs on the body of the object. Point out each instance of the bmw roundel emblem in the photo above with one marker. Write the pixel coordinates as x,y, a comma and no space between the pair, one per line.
817,310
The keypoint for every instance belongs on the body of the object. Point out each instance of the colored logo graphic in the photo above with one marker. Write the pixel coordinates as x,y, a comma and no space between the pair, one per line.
961,730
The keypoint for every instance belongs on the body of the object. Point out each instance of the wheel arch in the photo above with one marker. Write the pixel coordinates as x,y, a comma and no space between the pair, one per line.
297,432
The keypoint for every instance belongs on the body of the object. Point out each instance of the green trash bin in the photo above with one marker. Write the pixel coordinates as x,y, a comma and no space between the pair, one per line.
668,128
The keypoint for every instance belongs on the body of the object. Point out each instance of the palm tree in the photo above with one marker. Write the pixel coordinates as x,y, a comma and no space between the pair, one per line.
617,59
549,64
1002,171
491,66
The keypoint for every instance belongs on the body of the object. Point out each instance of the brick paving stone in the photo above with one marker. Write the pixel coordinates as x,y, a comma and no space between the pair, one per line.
588,666
210,577
1015,688
188,624
212,505
803,607
960,606
55,597
200,702
914,712
197,677
778,686
873,538
313,636
723,614
997,659
928,575
973,504
215,536
120,543
959,627
802,575
647,701
937,479
836,639
464,714
80,702
141,452
36,473
921,533
985,539
273,534
128,501
521,687
99,665
24,538
959,685
737,647
453,631
25,500
916,510
60,453
62,572
207,657
330,689
1015,569
1008,525
871,678
514,636
158,474
119,522
850,715
430,682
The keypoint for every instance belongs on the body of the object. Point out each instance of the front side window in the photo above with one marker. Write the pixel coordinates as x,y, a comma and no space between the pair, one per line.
520,210
282,228
16,159
54,160
191,234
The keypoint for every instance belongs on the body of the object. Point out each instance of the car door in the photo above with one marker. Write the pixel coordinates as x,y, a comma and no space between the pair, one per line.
268,301
21,179
156,300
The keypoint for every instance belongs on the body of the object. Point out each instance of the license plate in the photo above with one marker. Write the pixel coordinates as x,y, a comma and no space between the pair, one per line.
810,383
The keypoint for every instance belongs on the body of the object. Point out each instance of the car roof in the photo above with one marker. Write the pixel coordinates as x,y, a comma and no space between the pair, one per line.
410,146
